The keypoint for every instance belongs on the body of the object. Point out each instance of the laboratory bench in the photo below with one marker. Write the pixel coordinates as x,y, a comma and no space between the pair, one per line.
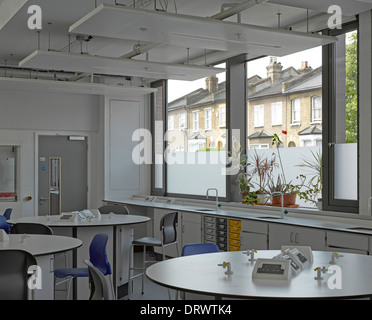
235,228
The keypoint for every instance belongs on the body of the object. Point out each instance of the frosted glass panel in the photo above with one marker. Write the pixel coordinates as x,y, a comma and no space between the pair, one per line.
195,172
346,171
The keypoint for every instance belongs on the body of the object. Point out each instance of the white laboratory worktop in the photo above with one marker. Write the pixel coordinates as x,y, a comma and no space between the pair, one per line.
104,220
356,226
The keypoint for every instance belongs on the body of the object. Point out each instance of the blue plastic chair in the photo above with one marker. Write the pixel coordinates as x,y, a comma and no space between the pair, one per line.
4,225
7,213
98,257
199,248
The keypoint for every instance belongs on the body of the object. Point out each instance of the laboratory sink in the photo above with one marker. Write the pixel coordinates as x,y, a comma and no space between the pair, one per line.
270,218
360,228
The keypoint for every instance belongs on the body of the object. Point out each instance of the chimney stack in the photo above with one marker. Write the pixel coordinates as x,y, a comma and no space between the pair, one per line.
211,84
274,70
304,67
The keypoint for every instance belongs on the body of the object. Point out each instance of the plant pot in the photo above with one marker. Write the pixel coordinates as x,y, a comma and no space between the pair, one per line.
319,204
288,199
263,198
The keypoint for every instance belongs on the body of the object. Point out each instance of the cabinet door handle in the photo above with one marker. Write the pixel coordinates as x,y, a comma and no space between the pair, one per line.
291,237
297,238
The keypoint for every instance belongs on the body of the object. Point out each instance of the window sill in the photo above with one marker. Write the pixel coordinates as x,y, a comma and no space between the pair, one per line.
296,124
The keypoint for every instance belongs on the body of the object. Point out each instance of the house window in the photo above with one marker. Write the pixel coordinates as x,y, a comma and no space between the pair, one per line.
182,120
195,120
316,109
222,116
296,104
259,115
276,113
171,123
208,118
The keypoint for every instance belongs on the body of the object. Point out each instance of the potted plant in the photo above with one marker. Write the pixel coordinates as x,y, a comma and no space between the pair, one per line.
239,163
289,190
263,168
313,188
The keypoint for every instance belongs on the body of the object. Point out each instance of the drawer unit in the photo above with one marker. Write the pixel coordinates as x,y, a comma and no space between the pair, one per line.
235,227
343,240
222,233
209,229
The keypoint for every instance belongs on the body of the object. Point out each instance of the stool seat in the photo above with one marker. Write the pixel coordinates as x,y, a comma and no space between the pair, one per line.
168,228
147,241
71,272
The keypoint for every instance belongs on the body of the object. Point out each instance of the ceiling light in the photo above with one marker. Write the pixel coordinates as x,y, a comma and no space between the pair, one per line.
49,60
193,32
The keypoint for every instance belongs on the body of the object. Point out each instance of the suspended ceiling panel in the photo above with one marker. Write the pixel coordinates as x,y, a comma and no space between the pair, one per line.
8,8
348,7
193,32
50,60
71,87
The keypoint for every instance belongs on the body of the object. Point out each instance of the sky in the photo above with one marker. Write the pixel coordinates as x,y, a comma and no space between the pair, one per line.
178,88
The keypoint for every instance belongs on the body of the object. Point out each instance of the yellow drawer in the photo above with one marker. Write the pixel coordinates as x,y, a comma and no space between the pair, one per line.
235,243
234,236
236,223
234,248
235,229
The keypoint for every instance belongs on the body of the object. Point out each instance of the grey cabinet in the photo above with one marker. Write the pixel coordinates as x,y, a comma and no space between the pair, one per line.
280,234
254,235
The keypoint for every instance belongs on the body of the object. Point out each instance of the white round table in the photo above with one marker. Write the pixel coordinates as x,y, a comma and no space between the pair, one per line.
43,248
201,274
120,229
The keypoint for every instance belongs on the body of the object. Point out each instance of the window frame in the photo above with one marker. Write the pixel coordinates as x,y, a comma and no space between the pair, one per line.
259,116
206,119
330,203
293,120
313,120
195,112
275,106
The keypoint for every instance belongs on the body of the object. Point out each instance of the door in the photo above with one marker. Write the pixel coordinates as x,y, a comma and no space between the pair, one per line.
62,174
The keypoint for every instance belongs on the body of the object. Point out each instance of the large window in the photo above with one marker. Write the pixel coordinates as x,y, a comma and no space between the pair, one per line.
196,150
290,90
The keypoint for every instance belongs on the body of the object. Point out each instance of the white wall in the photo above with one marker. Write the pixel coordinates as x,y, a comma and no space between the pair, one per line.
25,115
123,177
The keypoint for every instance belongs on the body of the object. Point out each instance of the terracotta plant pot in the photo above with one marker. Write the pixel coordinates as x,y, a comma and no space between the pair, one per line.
288,199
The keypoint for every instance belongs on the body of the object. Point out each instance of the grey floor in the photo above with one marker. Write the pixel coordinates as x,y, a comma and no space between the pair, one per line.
152,291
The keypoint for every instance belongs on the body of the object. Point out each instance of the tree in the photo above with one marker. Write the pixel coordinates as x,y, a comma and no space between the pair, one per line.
352,87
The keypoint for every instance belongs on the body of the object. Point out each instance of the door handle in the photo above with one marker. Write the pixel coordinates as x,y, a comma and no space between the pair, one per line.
291,237
296,238
43,199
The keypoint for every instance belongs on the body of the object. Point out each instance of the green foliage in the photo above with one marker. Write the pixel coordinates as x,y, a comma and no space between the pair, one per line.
352,88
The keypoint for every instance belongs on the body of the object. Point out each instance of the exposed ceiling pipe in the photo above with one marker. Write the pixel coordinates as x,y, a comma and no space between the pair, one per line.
237,9
219,16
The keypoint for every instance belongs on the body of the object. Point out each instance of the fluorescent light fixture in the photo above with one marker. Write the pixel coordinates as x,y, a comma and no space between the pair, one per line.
8,8
193,32
20,84
50,60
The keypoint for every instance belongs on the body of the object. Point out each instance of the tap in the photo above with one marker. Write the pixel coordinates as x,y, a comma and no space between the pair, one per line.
282,210
217,204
